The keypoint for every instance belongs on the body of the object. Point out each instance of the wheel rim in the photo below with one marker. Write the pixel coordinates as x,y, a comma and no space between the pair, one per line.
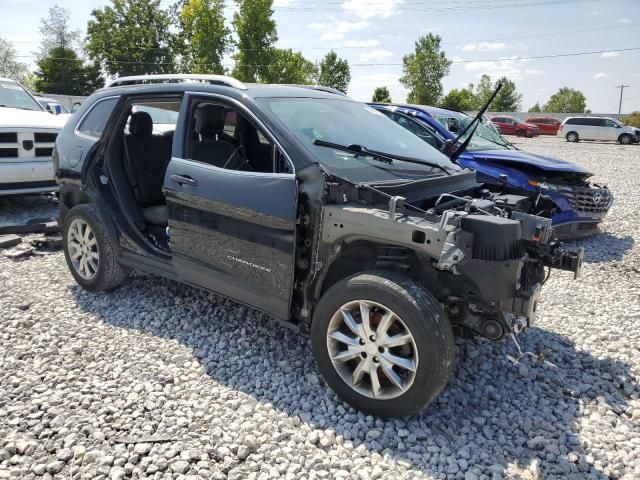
625,140
83,249
372,349
572,137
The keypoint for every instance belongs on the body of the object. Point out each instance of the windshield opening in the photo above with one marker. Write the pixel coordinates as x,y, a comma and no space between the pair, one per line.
345,122
12,95
484,137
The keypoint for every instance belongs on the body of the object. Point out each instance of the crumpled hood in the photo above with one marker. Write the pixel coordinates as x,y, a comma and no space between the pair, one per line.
15,117
525,158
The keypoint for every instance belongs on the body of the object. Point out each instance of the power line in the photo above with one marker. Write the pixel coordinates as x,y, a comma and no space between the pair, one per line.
536,57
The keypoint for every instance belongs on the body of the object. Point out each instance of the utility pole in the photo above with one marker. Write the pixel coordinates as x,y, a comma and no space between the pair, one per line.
621,87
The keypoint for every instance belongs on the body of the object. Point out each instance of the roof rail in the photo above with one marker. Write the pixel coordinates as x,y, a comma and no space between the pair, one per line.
319,88
178,78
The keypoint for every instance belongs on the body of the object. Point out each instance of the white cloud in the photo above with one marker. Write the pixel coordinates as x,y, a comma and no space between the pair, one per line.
369,9
600,75
379,54
484,47
624,20
431,29
284,3
595,13
335,30
361,43
609,54
513,68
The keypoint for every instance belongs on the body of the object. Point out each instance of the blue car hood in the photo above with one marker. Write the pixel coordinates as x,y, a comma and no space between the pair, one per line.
515,157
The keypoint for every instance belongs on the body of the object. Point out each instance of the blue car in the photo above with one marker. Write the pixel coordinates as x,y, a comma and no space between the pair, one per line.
557,189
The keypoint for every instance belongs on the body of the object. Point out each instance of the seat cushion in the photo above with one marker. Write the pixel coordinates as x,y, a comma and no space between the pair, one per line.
157,215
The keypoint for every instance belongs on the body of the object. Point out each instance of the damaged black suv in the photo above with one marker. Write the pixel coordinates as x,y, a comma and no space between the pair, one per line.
307,205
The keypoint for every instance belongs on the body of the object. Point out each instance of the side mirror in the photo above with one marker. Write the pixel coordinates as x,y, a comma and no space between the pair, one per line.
446,146
75,107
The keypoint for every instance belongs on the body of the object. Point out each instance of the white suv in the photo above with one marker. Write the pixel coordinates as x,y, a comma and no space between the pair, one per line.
27,137
575,129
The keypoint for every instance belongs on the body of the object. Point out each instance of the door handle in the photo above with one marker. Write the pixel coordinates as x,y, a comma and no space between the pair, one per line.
184,180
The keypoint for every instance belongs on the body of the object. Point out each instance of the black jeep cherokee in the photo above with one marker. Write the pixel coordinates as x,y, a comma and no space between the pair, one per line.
307,205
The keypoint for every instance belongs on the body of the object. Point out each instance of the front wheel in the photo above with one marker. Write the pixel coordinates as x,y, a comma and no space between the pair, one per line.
625,139
383,343
521,133
88,250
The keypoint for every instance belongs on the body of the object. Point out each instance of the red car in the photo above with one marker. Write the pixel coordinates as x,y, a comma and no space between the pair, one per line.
547,125
514,126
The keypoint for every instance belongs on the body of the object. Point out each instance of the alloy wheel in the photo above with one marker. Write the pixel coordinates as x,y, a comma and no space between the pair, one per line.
372,349
83,249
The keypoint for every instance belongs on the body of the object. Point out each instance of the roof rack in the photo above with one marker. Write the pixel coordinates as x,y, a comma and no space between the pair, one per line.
178,78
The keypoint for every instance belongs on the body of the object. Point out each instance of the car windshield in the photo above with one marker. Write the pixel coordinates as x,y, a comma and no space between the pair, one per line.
483,138
12,95
346,122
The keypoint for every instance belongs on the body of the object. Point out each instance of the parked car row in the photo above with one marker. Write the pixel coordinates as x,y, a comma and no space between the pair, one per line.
310,206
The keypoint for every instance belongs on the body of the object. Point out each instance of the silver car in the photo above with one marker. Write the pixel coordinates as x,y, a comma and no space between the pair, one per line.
575,129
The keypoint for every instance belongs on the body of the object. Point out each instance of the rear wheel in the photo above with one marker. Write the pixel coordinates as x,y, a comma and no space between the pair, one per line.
572,137
88,251
625,139
383,343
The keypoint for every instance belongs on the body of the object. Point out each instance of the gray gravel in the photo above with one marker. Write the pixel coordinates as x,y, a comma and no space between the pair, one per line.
158,380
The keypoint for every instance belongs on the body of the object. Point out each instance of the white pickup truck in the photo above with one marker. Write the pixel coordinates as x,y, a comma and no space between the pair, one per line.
27,137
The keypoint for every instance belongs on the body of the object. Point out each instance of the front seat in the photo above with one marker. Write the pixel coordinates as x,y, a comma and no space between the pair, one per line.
149,156
212,145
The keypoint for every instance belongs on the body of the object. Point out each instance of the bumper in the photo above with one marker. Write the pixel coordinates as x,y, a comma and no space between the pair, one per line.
17,178
577,229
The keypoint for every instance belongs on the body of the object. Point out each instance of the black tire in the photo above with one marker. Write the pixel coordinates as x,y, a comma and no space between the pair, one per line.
625,139
521,133
421,314
109,273
572,137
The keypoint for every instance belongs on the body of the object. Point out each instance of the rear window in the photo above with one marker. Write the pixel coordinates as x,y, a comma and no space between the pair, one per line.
94,122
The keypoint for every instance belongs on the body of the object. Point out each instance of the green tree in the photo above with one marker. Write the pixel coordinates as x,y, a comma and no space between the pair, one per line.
536,108
462,100
288,66
633,119
381,95
424,69
204,38
10,67
334,72
56,31
61,71
257,35
508,99
484,89
131,37
566,100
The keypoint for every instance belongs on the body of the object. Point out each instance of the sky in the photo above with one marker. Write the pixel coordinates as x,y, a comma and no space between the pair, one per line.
496,37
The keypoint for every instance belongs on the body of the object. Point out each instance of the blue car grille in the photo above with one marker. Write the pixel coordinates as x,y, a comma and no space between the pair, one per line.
588,201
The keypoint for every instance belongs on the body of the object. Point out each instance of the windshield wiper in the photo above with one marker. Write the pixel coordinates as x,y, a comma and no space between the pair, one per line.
474,123
379,156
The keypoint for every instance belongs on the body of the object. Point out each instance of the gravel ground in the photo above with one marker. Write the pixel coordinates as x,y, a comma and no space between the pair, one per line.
220,391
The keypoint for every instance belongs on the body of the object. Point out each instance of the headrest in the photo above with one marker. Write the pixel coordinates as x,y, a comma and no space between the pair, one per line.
141,124
209,120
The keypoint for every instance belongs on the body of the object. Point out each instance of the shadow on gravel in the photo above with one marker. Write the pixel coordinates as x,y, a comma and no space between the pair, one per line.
603,247
524,418
17,209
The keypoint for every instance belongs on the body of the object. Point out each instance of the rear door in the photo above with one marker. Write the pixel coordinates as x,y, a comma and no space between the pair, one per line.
231,231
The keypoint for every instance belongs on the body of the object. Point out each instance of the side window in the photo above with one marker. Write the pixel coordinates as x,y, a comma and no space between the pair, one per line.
417,129
572,121
609,123
93,123
222,136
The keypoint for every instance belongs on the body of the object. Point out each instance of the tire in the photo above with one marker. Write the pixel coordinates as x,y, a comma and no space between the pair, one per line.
572,137
625,139
521,133
414,311
90,256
